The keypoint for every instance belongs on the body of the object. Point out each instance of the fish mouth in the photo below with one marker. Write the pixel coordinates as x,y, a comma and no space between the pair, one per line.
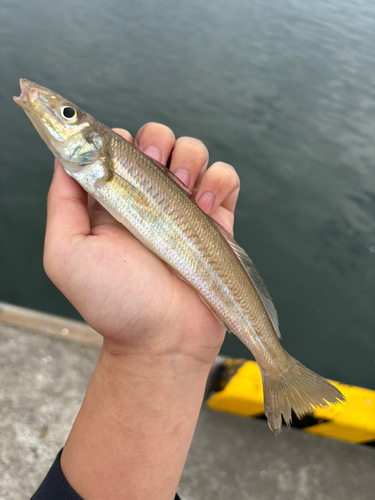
23,100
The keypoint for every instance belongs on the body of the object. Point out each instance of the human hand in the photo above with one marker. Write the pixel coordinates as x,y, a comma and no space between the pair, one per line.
120,287
134,429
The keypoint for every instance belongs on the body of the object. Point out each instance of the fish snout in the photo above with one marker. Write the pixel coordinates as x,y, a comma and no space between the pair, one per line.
23,99
29,94
24,84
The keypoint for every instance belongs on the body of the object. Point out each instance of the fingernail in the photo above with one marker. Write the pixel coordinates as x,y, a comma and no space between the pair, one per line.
183,175
55,164
153,152
206,202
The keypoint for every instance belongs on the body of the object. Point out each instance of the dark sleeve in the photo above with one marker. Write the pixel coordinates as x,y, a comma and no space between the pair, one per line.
56,487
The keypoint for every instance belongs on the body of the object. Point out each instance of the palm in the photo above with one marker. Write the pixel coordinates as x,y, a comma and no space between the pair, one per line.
128,292
124,291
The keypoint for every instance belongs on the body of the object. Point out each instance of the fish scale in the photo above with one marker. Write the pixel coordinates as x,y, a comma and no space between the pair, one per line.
188,228
158,210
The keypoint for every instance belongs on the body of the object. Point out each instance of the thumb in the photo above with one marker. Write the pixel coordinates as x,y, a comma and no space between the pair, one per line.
67,216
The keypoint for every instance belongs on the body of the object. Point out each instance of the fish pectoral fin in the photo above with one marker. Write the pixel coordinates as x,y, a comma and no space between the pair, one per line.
255,277
121,179
173,177
128,191
136,193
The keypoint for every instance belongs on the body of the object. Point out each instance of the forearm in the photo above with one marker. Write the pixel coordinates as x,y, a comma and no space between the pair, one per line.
135,426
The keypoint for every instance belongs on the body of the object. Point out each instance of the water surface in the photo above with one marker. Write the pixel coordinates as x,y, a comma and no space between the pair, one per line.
284,91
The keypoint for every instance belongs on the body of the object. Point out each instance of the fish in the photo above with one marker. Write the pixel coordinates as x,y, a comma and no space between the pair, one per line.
159,210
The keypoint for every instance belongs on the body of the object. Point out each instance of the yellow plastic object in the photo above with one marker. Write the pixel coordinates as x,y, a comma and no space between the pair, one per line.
243,394
351,421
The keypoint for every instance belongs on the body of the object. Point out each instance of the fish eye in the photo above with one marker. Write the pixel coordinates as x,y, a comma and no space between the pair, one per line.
69,113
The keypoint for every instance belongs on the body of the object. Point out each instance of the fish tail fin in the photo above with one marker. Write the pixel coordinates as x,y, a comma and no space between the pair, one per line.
295,388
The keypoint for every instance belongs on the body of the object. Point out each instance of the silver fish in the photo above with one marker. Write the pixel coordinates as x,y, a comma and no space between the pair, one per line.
157,208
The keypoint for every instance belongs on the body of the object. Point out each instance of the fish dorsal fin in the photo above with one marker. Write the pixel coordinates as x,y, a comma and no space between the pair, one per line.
254,276
173,177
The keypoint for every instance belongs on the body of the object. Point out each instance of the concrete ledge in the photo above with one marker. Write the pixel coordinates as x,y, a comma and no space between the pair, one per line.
234,385
57,326
43,380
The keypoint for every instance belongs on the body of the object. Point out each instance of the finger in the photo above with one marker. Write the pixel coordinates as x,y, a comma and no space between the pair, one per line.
189,160
66,207
224,218
155,140
219,187
124,133
67,216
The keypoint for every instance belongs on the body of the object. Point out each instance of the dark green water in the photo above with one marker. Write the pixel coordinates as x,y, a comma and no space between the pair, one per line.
284,91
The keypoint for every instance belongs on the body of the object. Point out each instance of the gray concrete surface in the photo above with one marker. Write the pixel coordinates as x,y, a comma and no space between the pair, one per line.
42,383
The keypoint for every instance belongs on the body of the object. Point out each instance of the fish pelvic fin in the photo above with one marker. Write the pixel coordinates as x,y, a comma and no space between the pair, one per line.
295,388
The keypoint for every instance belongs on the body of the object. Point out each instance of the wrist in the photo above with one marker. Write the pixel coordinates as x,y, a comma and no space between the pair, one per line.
165,384
173,349
175,363
133,432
